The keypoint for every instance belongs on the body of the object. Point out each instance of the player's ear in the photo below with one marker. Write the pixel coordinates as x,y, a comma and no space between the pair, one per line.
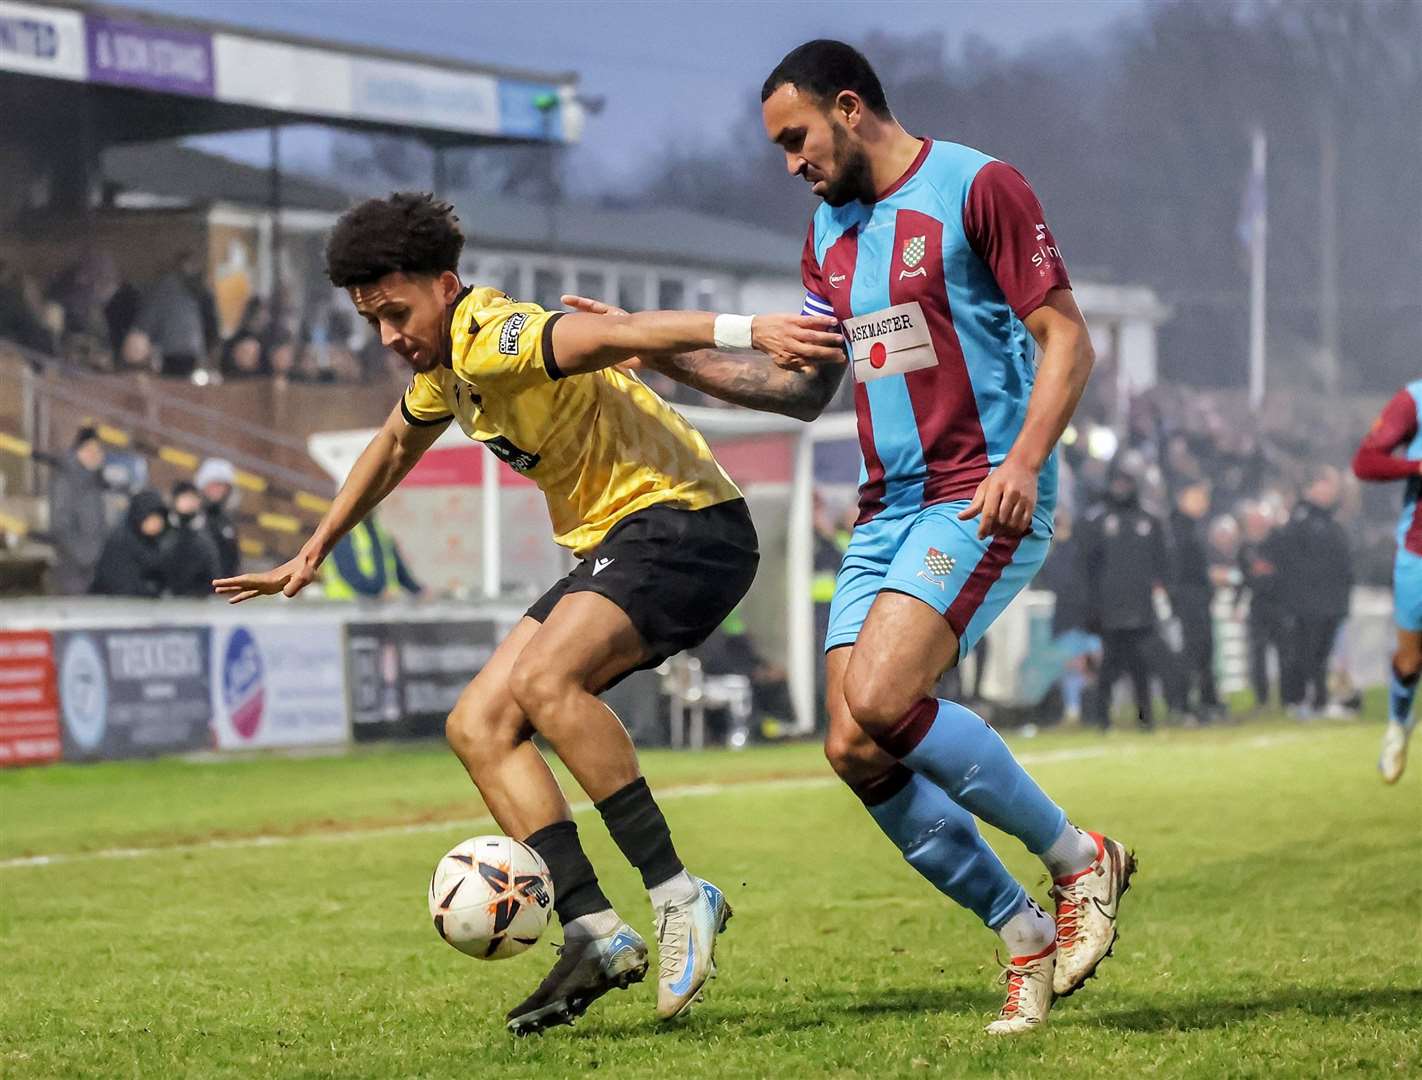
849,107
448,286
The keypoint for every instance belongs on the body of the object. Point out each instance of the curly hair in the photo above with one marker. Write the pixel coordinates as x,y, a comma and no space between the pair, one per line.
411,232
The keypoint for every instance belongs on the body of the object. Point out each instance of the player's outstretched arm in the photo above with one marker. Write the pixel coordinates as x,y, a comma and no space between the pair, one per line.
1006,499
752,381
380,467
582,342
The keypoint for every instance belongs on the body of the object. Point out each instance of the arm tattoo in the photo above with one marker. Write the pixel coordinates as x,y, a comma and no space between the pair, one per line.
754,381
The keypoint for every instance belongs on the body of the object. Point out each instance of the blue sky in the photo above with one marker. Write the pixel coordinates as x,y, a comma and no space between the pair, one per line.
671,70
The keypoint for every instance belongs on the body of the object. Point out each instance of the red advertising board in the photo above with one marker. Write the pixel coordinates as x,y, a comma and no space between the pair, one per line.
29,705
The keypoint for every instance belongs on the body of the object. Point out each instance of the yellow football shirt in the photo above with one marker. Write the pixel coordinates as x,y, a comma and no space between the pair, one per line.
600,446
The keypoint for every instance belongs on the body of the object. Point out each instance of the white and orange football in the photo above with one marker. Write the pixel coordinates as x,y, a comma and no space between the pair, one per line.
491,897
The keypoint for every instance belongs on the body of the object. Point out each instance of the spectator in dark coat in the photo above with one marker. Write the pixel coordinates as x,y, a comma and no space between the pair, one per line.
1316,585
131,563
1190,594
190,557
217,480
1259,576
76,514
1123,560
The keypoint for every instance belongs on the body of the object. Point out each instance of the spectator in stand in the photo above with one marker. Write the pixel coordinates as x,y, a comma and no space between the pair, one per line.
730,650
1316,582
244,354
217,481
281,356
242,357
190,558
76,513
23,317
1076,647
178,318
366,563
1259,576
131,563
84,289
1190,594
1123,561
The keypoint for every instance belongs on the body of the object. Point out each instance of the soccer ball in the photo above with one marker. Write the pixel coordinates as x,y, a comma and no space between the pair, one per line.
491,897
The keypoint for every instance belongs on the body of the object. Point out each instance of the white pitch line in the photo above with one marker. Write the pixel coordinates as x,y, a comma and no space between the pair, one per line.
689,791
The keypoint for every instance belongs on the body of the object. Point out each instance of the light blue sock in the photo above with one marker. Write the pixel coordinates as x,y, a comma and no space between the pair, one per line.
1400,694
1073,683
941,841
955,748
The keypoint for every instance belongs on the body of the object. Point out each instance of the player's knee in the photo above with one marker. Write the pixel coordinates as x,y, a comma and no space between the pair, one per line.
540,689
478,734
878,699
463,728
854,759
1407,661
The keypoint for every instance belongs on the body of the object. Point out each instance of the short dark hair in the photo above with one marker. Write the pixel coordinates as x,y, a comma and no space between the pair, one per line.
411,232
824,67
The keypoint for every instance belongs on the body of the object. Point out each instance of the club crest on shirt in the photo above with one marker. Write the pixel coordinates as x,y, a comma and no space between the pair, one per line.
914,250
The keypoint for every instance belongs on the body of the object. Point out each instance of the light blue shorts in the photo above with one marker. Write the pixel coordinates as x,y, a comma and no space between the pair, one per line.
1407,590
932,555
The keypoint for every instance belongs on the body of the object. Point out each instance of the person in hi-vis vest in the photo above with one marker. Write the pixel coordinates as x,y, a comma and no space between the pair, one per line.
367,563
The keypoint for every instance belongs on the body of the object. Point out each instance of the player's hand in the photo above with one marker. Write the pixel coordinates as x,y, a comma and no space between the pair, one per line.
798,342
589,305
600,307
288,579
1004,501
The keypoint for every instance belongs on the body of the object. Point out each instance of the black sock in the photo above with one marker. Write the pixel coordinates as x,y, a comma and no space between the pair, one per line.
575,889
635,821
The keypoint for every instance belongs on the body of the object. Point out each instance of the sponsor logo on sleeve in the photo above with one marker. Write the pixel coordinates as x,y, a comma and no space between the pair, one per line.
1047,251
508,336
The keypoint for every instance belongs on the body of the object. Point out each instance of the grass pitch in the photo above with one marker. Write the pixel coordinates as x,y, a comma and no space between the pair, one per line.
1275,928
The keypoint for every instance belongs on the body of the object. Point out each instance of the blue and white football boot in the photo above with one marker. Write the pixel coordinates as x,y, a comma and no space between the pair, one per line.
587,968
686,947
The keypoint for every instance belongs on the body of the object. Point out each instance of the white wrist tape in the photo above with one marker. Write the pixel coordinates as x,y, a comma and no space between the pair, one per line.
733,331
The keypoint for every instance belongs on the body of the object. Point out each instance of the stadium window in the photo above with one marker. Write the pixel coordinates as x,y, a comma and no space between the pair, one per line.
671,294
708,296
632,292
507,278
547,286
590,283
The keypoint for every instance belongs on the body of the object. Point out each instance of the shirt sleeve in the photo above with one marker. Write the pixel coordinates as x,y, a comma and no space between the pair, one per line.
816,299
1006,227
423,404
1395,426
512,344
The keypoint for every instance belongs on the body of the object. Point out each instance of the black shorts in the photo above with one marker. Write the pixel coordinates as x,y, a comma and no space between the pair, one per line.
676,573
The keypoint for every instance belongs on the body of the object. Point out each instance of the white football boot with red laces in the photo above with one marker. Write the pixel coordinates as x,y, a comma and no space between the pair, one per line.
1087,904
1029,993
